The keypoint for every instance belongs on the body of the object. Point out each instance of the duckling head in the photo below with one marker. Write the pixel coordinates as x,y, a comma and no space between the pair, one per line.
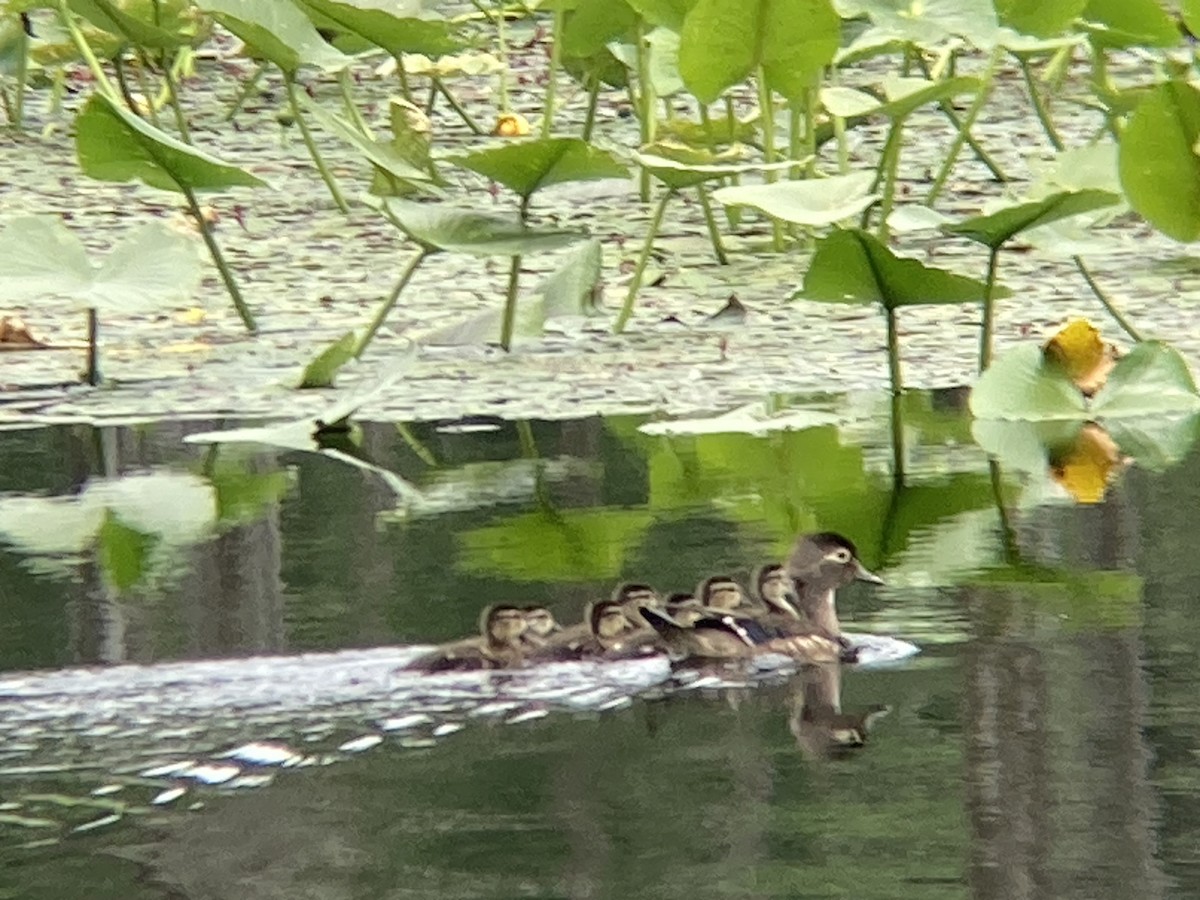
607,619
631,595
775,590
502,624
720,592
685,609
540,622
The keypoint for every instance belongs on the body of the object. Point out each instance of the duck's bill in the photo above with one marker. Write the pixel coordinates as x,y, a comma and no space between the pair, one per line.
862,573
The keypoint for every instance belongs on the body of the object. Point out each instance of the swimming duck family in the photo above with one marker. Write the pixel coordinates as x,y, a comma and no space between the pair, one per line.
791,610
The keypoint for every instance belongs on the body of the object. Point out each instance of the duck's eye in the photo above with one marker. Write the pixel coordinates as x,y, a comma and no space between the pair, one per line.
841,555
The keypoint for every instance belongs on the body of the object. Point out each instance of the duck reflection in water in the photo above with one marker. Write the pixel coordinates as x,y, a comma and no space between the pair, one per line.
816,719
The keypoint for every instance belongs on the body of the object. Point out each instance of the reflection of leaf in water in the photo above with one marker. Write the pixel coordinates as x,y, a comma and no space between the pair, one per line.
568,545
243,495
1087,465
1077,600
122,552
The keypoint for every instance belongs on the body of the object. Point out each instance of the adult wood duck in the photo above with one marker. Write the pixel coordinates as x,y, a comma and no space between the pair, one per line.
499,645
818,565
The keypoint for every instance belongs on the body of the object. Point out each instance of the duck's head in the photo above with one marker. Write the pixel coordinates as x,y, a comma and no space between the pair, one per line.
684,608
720,592
826,561
607,619
632,595
539,622
776,590
502,624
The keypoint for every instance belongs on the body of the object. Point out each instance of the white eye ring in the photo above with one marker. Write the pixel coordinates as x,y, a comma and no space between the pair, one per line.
841,554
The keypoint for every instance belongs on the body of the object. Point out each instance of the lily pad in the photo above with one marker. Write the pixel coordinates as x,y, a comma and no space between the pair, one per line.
459,230
853,266
397,26
383,154
811,202
527,166
679,166
994,229
158,26
723,41
277,31
1043,18
152,268
115,145
1158,164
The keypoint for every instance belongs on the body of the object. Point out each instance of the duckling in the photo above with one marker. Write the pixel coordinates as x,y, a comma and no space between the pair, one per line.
685,608
610,635
540,626
818,565
722,593
708,637
498,646
632,597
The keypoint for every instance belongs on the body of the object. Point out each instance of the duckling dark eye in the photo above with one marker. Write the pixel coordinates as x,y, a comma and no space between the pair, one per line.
841,555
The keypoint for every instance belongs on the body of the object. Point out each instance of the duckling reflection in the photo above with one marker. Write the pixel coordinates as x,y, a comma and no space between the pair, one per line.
540,626
499,645
817,722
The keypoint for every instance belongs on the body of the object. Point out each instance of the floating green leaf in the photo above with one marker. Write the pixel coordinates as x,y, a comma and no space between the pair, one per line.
382,154
1130,23
1160,170
853,266
323,368
1152,378
468,231
665,13
679,166
157,25
723,41
1022,384
397,27
149,269
927,23
592,24
1043,18
810,202
529,165
115,145
906,95
994,229
277,31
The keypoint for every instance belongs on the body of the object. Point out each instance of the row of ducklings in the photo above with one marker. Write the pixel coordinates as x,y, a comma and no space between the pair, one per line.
792,612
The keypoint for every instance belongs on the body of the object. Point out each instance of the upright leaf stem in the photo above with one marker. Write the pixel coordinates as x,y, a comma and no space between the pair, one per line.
767,113
326,176
985,337
385,307
85,50
1125,324
981,98
646,101
640,270
552,75
218,260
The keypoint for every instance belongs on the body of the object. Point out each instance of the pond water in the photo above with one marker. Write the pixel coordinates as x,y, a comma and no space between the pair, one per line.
1043,743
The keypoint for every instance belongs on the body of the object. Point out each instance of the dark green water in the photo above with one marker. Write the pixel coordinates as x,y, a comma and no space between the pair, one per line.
1042,745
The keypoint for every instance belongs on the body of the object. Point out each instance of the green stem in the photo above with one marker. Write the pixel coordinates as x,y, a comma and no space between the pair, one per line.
6,102
502,46
144,86
640,269
897,440
85,50
985,90
985,337
326,175
646,102
552,75
344,85
713,232
173,95
92,375
218,260
422,452
123,86
893,348
589,121
508,323
1125,324
458,107
811,101
1039,106
794,125
381,314
767,114
402,74
17,112
1008,534
246,90
885,172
